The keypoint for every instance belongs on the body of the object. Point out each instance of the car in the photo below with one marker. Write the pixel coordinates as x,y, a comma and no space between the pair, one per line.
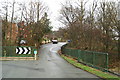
54,41
69,41
23,42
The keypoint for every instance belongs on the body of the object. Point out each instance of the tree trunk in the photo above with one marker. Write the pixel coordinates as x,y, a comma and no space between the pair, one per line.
12,22
119,39
119,47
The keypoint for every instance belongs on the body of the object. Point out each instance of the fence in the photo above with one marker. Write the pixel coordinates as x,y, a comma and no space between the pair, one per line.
97,60
10,51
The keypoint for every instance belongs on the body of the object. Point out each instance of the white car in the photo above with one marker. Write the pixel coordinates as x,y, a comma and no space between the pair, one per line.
23,42
54,41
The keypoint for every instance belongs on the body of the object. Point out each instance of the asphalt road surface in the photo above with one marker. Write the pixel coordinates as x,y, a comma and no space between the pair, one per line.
49,65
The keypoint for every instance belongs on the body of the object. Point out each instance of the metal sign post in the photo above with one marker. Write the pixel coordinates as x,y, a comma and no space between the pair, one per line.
35,52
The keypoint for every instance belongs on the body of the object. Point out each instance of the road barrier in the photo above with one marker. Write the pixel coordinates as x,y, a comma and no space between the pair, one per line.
13,51
97,60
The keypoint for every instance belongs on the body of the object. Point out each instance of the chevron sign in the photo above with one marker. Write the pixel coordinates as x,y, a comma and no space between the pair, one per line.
23,50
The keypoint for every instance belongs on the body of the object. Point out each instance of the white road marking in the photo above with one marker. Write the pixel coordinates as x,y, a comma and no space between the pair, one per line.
51,49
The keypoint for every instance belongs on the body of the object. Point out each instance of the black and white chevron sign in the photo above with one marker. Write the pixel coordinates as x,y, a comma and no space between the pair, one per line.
23,50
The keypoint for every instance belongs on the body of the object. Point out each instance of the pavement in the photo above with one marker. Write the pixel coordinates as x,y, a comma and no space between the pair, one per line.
49,65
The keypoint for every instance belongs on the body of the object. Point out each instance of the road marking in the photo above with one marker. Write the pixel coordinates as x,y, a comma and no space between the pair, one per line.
51,49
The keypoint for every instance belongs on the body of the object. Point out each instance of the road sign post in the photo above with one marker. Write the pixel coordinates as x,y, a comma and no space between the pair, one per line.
35,52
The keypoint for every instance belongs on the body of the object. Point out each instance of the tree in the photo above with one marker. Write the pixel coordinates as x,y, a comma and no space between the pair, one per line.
73,17
41,28
117,23
4,22
13,6
106,18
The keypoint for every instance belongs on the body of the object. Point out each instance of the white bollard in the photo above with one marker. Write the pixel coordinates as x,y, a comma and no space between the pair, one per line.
35,56
35,52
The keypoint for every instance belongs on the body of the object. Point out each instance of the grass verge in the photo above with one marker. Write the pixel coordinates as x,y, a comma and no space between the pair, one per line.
96,72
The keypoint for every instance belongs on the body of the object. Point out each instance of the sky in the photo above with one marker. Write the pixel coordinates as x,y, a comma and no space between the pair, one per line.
54,9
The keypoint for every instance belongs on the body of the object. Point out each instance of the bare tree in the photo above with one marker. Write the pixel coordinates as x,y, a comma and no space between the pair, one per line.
118,27
4,11
13,6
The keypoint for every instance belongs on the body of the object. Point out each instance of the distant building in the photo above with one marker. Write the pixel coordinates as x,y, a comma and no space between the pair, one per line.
19,32
14,32
24,32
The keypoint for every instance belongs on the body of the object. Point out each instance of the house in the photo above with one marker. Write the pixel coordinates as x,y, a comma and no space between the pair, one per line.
14,32
24,32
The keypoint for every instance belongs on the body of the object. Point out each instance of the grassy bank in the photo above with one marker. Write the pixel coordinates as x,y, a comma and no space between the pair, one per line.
98,73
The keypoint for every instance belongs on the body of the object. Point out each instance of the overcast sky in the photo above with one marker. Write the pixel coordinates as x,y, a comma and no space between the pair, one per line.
54,9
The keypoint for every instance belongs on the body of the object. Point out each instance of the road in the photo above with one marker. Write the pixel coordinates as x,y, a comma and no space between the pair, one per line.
49,65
